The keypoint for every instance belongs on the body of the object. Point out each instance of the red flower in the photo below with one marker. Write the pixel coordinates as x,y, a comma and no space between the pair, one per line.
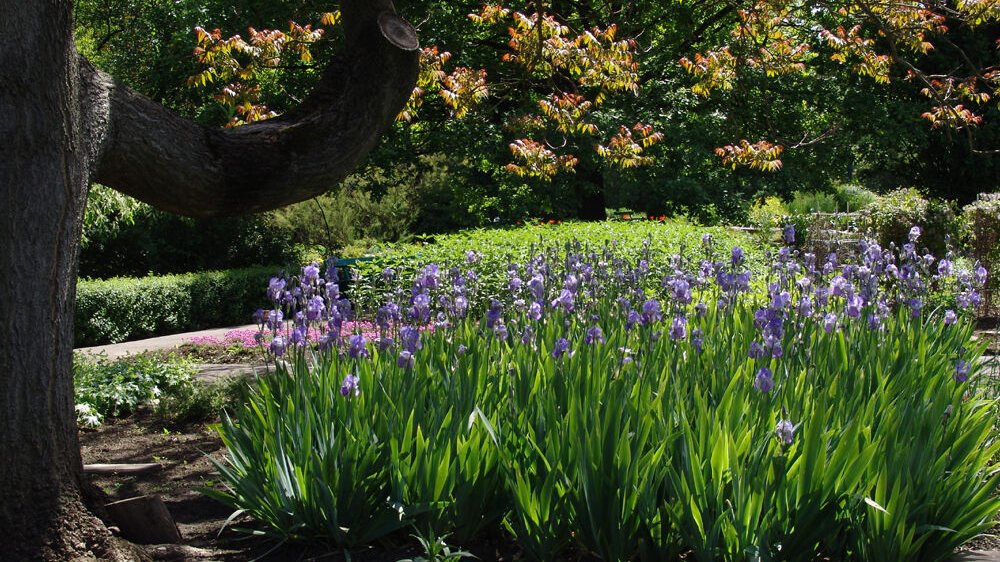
626,217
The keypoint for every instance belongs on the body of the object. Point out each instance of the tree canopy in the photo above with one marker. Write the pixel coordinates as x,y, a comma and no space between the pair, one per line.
658,105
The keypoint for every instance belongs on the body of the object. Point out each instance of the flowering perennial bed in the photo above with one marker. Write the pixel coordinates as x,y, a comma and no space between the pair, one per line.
610,411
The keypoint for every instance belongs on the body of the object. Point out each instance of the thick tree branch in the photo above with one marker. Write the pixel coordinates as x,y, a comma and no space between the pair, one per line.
152,154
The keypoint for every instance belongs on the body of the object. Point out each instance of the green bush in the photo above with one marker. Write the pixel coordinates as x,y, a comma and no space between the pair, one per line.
116,388
126,238
891,216
804,202
982,220
120,309
851,198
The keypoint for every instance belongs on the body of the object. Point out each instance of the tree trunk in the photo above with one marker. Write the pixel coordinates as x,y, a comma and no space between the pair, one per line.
43,190
593,204
62,123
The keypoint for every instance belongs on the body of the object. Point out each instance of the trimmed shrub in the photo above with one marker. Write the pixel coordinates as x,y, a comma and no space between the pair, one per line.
120,309
891,216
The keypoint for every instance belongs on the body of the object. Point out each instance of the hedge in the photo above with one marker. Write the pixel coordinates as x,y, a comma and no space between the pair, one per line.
121,309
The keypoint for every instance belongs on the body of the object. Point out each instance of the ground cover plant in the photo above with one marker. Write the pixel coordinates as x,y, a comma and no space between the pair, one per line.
116,388
631,407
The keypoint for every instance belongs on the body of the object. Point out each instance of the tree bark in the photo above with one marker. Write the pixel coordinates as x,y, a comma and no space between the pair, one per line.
186,168
63,123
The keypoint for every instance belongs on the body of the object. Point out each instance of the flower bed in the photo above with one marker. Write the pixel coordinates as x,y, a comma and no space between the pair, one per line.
631,408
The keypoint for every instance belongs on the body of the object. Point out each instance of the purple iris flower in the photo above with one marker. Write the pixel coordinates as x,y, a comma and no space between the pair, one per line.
736,258
742,281
278,346
409,337
494,314
405,360
333,291
854,304
561,348
874,322
785,432
651,312
774,344
274,318
594,336
298,336
460,306
950,317
805,307
681,290
697,339
632,319
310,272
429,278
980,274
314,308
914,234
350,386
527,336
535,311
789,233
471,256
275,287
358,347
830,322
962,368
944,267
678,329
764,381
839,286
760,318
701,309
571,283
756,350
537,287
344,308
564,300
514,285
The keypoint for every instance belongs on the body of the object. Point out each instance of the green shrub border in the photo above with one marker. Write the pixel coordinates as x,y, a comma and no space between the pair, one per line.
121,309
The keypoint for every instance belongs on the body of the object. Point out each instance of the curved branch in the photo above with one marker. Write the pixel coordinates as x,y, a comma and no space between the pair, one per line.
145,150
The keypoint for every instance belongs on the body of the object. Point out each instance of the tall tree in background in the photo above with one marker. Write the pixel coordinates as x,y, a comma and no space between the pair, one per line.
935,47
64,124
